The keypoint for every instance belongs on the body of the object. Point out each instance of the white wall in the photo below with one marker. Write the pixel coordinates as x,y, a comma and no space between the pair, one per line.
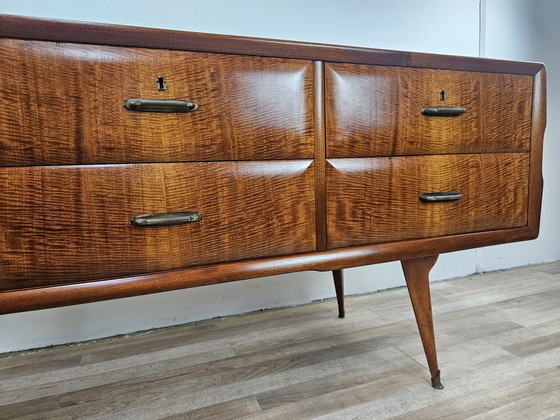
529,30
398,24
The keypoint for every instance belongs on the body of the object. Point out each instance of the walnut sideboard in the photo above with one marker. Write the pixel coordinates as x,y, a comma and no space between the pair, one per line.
138,160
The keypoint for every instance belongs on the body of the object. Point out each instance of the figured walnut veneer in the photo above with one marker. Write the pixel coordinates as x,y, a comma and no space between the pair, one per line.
73,224
59,92
376,199
375,111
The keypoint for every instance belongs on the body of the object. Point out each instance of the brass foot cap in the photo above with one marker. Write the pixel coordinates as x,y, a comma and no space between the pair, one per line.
436,382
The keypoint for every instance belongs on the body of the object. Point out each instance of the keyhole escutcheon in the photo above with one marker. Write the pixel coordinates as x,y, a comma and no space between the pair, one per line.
161,83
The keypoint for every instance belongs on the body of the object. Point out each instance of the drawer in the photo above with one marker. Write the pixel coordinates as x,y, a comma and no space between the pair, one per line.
65,224
64,104
377,199
377,111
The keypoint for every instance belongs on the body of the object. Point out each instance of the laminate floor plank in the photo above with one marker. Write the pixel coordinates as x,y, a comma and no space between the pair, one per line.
540,400
461,380
308,332
471,296
479,402
497,334
234,409
386,362
536,345
517,337
73,380
334,403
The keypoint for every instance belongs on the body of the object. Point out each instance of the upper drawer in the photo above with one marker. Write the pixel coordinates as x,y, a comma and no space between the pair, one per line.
64,104
64,224
378,199
377,111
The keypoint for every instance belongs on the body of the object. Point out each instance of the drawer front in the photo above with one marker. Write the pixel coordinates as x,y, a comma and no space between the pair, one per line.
377,199
64,224
377,111
64,104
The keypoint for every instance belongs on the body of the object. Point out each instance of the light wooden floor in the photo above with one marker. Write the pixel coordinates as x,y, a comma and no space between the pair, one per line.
498,339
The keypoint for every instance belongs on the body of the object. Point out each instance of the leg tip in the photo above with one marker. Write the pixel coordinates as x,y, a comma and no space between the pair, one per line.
436,382
341,314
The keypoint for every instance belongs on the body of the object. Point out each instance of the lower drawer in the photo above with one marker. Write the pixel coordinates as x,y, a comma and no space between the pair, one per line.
65,224
377,200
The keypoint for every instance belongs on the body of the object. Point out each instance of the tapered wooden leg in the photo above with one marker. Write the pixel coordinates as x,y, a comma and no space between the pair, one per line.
339,287
416,272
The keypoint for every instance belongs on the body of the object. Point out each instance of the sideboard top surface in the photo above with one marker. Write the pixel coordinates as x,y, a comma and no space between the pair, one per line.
12,26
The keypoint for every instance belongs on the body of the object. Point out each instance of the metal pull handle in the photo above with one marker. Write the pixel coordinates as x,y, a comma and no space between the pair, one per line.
440,196
443,111
165,219
160,105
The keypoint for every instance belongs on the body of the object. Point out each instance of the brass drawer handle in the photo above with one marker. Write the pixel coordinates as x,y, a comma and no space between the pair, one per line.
440,196
160,105
443,111
165,219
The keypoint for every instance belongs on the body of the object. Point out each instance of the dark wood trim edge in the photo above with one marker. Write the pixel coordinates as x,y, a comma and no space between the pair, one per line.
71,294
132,36
320,160
417,275
538,126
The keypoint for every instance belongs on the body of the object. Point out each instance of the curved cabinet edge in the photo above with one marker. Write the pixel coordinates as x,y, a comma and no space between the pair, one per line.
23,27
105,289
538,126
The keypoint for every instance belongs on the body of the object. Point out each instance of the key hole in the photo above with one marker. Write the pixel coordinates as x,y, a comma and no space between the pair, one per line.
442,95
161,83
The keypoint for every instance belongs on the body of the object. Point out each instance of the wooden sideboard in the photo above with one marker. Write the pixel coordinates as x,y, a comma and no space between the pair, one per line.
138,160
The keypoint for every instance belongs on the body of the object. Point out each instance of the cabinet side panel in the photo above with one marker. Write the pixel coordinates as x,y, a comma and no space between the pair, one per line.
537,137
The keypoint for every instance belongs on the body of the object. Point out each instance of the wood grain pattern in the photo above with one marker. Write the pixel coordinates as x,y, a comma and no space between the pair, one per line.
337,259
375,111
319,161
64,224
416,273
338,278
131,36
376,199
63,104
537,137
